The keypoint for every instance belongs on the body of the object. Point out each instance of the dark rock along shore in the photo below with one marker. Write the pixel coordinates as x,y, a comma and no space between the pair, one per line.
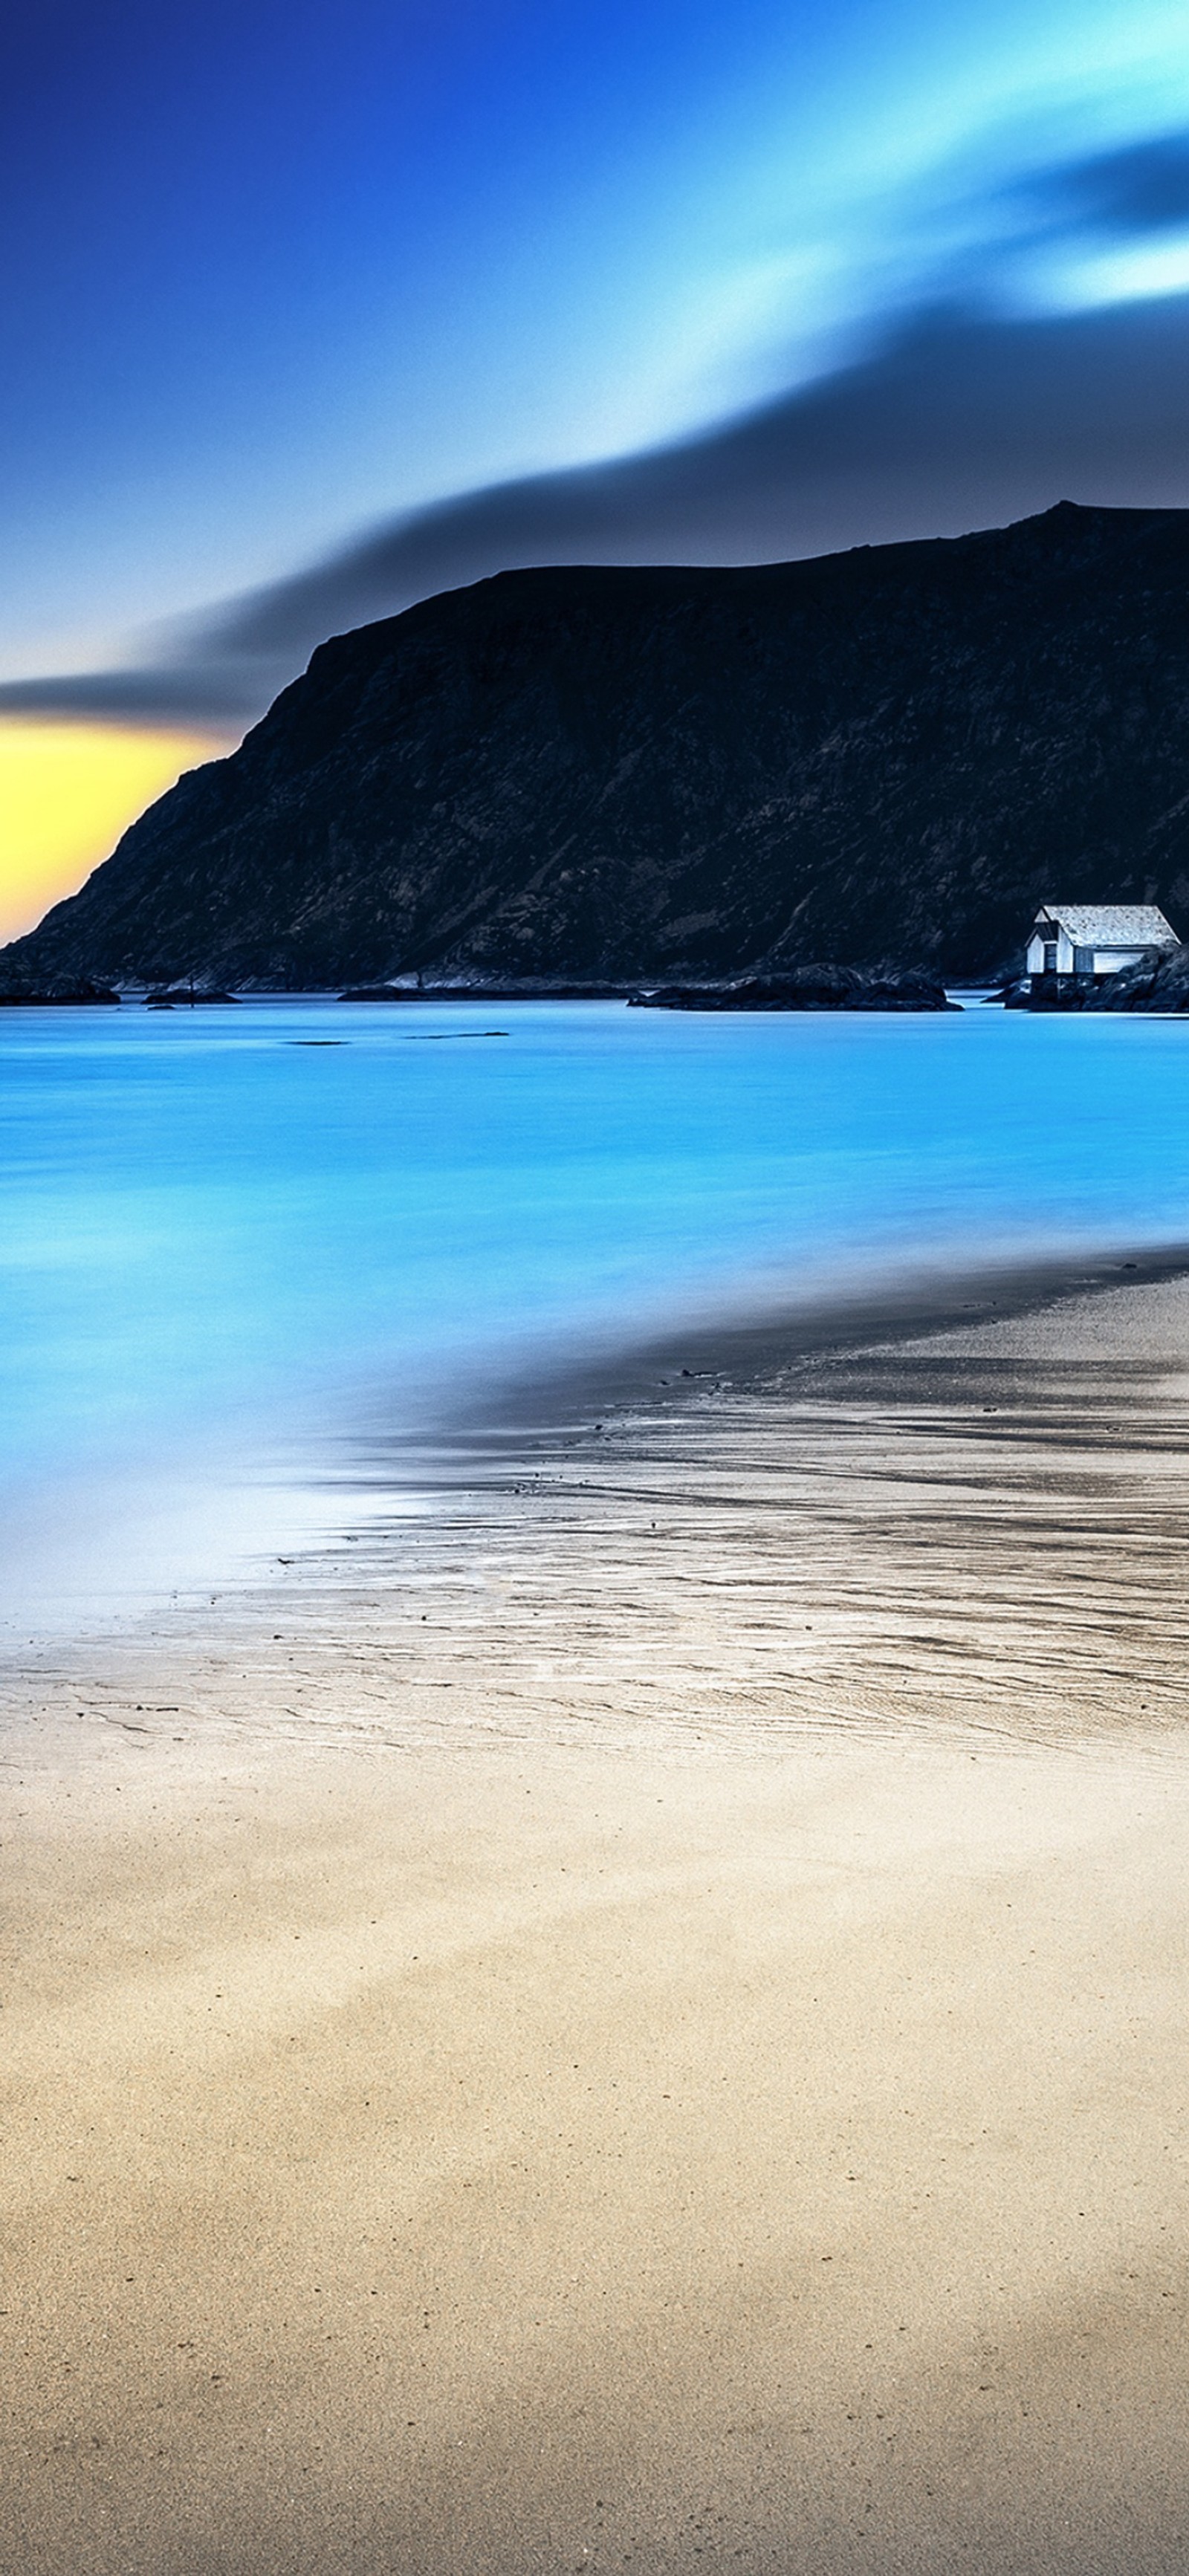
30,996
1158,983
806,988
886,759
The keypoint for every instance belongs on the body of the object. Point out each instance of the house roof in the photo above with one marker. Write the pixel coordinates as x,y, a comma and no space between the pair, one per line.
1112,925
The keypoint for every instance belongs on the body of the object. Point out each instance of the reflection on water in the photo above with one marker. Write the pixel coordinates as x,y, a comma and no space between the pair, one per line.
227,1234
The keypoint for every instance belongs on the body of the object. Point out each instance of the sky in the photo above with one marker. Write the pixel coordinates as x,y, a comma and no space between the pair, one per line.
309,311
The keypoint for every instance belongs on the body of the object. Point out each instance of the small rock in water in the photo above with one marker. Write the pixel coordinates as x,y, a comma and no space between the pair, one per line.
186,996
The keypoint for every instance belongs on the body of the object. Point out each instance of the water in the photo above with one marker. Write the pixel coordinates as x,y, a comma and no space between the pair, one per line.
232,1237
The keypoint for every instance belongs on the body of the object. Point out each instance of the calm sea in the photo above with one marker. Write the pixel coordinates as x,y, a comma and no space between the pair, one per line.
232,1237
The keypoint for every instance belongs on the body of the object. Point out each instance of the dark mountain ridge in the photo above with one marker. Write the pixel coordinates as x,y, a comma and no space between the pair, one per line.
882,758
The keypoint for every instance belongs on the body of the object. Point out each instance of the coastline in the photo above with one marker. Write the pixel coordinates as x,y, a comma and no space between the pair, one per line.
723,1425
895,1305
642,2016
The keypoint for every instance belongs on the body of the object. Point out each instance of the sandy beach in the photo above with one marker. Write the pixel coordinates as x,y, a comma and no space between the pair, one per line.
641,2017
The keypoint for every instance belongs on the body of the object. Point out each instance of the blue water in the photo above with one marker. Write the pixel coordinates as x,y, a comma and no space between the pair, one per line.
226,1242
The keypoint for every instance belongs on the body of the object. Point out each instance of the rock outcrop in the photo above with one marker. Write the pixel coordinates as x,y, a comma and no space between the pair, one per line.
884,757
1156,984
187,997
23,996
807,988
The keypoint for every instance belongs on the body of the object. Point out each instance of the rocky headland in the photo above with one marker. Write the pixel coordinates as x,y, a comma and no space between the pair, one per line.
595,778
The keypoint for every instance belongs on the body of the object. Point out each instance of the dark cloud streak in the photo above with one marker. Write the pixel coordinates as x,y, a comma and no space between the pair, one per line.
958,422
1142,188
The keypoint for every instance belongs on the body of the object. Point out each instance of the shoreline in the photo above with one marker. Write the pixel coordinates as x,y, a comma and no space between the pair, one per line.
899,1304
564,1457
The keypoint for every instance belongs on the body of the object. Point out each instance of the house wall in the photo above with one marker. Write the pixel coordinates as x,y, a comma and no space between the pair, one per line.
1107,961
1036,957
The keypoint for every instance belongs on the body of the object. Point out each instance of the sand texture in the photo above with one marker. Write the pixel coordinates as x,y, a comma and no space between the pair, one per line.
641,2020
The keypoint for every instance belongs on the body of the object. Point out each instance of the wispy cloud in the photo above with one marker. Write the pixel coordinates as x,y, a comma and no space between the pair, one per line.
1141,188
1046,356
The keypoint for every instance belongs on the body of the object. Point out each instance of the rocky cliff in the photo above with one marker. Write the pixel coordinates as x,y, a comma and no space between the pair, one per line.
883,758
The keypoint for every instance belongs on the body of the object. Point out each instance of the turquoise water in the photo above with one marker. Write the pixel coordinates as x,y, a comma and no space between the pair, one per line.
227,1243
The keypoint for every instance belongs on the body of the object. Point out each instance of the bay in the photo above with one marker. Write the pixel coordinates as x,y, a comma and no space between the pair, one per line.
231,1238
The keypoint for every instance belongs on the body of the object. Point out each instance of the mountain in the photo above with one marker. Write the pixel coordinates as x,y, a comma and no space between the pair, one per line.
885,758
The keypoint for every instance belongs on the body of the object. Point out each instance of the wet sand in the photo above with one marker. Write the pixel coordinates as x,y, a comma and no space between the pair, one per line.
641,2019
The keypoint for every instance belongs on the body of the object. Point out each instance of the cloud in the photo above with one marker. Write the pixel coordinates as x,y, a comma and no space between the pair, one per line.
960,420
190,689
1144,187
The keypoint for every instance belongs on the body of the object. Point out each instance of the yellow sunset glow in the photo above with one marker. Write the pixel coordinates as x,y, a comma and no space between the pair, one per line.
67,791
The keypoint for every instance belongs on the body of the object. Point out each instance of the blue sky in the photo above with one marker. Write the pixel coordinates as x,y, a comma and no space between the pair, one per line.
281,277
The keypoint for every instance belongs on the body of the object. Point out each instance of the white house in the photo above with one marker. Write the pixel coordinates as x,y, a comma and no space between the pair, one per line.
1096,938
